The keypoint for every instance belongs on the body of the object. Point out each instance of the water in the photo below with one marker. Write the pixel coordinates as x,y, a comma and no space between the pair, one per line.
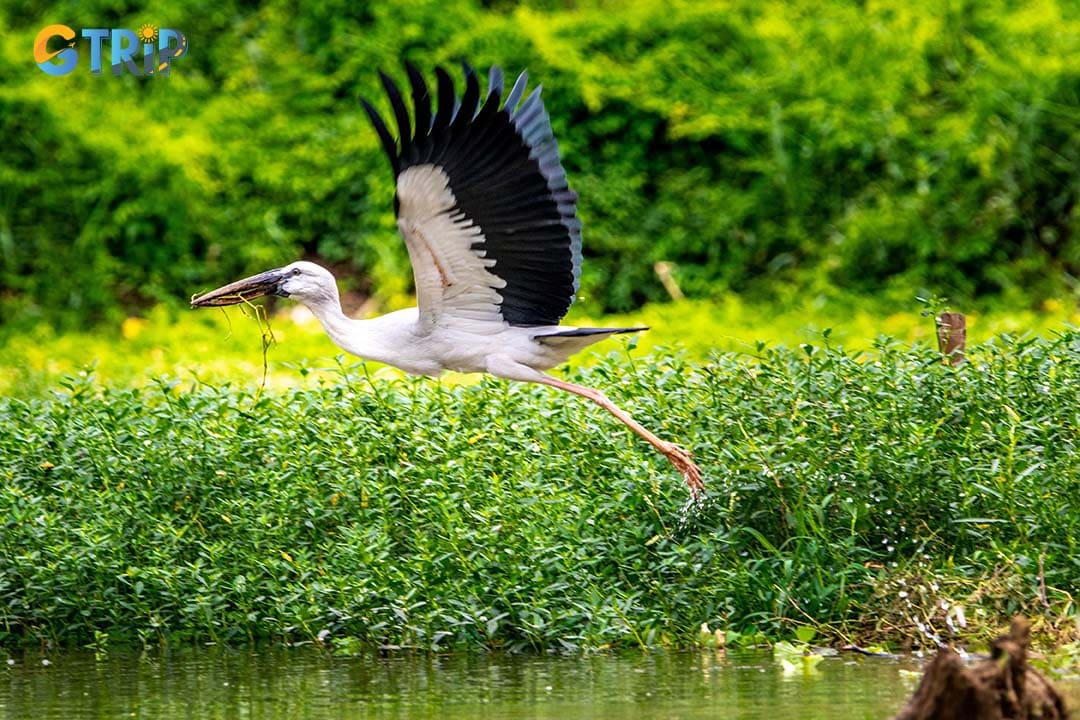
271,685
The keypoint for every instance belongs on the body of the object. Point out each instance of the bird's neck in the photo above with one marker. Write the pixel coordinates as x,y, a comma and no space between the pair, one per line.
358,337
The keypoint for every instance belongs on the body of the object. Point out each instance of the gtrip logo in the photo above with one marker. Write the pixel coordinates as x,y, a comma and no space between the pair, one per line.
155,49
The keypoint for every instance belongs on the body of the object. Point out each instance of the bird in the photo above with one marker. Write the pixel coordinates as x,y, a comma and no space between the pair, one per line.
490,225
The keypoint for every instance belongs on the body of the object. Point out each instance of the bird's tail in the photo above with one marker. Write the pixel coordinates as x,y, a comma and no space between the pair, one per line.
586,332
571,340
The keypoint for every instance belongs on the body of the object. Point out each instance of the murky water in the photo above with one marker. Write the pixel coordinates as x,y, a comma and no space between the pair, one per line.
293,684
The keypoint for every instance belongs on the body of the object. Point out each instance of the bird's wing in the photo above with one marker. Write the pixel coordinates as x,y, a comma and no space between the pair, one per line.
482,202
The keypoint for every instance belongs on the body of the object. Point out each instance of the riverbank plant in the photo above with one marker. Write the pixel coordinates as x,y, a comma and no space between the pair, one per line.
380,512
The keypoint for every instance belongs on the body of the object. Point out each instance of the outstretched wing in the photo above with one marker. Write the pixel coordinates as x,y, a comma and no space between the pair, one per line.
482,202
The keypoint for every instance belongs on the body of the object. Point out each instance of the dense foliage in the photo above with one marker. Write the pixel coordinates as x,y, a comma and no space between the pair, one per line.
411,513
820,142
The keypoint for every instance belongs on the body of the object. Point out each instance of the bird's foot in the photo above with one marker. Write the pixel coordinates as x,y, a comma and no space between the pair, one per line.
683,462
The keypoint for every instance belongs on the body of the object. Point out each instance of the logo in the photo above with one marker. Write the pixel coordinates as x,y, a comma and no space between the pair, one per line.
142,53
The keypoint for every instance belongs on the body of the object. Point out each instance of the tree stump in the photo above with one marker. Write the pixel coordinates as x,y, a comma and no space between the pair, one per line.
1001,688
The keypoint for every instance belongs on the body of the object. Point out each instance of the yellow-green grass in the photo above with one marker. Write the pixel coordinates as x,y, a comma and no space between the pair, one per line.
218,346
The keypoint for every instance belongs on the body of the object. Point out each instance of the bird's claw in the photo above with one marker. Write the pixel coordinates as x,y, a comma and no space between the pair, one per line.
682,460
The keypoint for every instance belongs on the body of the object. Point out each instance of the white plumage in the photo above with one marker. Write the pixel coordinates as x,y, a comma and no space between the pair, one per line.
491,228
452,279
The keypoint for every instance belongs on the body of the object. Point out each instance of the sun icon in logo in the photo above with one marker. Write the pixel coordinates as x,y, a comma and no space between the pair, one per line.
148,33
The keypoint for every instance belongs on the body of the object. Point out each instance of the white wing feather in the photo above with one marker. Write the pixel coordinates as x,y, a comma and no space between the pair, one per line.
453,281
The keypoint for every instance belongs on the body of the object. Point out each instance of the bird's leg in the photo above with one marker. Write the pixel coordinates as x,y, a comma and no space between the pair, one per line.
678,456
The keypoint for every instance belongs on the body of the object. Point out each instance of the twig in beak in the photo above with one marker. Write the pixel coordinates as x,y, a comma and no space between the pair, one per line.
267,338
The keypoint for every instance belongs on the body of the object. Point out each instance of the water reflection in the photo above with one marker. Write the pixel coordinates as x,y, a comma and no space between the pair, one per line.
268,685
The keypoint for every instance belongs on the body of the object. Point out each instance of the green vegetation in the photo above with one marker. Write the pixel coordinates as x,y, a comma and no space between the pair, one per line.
805,167
218,347
854,492
753,143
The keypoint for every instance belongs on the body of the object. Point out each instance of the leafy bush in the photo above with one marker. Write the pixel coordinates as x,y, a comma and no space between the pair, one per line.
815,143
406,512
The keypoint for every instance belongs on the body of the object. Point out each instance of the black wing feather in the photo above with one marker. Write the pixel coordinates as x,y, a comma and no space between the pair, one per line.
446,103
495,82
470,101
400,114
421,111
506,176
515,93
389,146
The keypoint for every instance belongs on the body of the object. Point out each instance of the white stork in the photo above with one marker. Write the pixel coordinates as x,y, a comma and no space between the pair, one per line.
492,231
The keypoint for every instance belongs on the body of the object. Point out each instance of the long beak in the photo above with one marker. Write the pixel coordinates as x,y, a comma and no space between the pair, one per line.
266,283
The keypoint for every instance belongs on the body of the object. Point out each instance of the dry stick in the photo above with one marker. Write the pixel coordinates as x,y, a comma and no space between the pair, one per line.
952,336
1042,582
663,270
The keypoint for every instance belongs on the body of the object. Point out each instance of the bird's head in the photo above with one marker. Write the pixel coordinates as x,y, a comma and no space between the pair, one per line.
306,282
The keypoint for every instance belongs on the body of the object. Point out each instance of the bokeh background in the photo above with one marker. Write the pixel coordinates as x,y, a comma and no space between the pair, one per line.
770,152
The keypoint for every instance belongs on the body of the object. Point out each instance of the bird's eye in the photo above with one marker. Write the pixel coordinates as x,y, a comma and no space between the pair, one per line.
296,271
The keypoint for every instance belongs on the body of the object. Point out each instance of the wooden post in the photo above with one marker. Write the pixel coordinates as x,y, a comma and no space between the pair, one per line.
952,336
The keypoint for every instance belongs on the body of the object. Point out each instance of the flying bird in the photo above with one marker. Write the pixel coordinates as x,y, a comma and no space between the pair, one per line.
491,228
